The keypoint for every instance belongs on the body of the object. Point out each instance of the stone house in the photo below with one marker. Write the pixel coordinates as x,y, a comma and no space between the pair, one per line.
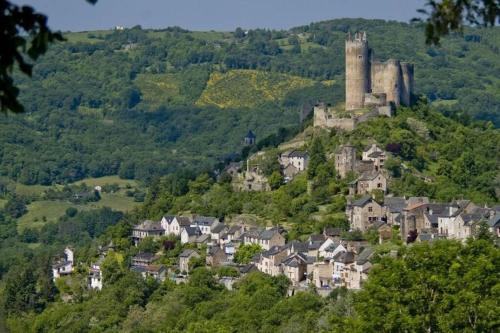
216,256
294,267
184,259
323,274
363,213
216,232
190,234
233,233
394,209
421,217
147,228
369,181
270,260
345,160
289,172
266,238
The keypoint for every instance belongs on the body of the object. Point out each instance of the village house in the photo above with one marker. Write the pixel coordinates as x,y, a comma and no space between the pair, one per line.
147,228
363,213
266,238
216,256
203,240
294,267
270,260
330,248
232,234
358,272
204,223
369,181
375,155
64,264
345,160
216,232
341,266
421,217
157,272
165,223
190,234
143,259
462,225
394,209
323,274
179,222
95,274
292,163
184,259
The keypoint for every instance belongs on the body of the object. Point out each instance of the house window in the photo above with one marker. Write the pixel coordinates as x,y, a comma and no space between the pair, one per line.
370,209
379,185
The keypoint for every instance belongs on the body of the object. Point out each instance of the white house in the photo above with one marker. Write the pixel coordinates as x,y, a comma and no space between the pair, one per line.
176,225
63,266
190,234
95,275
297,159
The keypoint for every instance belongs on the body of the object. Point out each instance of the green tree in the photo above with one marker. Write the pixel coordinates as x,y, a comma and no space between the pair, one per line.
446,16
245,253
316,157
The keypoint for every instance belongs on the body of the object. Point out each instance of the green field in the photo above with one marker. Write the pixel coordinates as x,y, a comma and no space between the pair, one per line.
45,211
107,180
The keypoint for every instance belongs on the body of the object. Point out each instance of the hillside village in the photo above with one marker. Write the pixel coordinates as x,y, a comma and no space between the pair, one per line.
324,260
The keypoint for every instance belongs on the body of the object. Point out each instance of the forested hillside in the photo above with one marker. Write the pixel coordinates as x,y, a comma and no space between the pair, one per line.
141,103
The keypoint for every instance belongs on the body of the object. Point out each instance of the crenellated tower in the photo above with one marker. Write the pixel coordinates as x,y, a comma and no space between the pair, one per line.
357,78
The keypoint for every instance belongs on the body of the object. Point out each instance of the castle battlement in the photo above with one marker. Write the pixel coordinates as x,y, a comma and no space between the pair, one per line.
372,87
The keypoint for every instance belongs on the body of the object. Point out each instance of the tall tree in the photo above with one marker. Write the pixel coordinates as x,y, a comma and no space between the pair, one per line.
451,15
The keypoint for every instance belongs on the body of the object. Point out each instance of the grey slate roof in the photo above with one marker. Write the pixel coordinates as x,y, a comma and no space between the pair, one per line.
494,221
193,231
364,256
344,257
144,256
184,221
362,201
218,227
268,233
187,253
204,220
395,204
149,225
369,175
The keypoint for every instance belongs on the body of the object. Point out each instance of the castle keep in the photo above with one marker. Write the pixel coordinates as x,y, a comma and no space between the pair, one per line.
372,88
374,83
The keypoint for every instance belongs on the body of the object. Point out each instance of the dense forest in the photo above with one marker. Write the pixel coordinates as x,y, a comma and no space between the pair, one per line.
142,103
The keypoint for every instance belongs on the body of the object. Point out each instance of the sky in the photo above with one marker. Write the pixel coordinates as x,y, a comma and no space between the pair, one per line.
220,15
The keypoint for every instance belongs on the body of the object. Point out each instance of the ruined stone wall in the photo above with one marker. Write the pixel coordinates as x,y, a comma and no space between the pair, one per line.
357,71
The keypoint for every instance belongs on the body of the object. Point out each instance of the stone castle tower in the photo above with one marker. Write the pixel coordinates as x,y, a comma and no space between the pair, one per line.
374,83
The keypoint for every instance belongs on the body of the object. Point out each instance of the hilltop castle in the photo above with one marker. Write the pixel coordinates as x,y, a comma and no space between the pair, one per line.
371,87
